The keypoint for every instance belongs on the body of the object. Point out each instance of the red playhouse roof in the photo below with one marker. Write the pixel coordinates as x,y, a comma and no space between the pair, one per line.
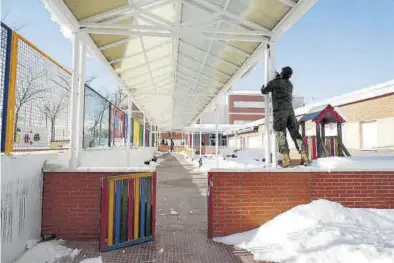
324,113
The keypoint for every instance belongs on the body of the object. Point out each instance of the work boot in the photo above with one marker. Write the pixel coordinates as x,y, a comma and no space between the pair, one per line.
286,162
304,159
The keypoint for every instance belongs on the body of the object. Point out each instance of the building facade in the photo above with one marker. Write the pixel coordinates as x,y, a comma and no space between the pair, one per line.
244,107
248,106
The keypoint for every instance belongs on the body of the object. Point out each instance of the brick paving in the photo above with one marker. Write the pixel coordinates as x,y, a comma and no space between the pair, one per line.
179,238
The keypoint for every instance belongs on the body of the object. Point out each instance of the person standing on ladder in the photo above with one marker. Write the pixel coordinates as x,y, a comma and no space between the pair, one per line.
284,117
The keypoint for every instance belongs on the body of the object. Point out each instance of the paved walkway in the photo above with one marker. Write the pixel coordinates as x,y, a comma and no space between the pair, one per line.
180,238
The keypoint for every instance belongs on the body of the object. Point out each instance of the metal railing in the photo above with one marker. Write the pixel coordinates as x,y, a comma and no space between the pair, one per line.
35,99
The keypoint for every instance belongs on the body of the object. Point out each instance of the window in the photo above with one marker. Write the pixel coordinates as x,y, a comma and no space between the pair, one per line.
249,104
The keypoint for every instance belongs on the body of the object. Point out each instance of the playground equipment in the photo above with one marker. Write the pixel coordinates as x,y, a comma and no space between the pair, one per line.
321,145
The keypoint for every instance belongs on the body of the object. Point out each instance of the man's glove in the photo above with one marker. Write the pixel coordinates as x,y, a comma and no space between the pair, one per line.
262,88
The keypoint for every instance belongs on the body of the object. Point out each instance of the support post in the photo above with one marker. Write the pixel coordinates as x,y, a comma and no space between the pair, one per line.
192,145
74,102
266,130
318,141
323,133
151,134
303,130
144,133
339,136
129,131
81,102
200,138
217,134
272,71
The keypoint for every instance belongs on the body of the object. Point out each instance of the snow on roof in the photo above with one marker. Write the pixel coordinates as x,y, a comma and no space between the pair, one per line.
351,97
246,92
211,127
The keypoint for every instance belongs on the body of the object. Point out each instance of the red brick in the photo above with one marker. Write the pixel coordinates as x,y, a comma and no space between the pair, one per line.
242,201
71,204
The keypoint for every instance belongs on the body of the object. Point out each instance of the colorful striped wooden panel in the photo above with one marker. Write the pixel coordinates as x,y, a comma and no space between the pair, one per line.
127,210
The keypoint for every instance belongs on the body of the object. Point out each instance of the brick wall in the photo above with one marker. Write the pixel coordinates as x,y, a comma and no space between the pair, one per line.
371,109
71,204
251,98
240,201
244,117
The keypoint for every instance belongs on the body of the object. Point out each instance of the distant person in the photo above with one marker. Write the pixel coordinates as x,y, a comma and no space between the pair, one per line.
172,146
284,117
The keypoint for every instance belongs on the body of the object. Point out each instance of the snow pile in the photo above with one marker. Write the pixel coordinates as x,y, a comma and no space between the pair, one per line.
322,231
48,252
209,162
355,163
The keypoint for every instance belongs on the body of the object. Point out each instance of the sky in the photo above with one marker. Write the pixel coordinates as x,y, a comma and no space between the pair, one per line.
339,46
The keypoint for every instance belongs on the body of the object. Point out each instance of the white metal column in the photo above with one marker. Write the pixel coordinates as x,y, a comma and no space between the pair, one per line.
217,134
129,130
144,133
150,134
266,130
81,101
200,138
271,70
192,145
74,102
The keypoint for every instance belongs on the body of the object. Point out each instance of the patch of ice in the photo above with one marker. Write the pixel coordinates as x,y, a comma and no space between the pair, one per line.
324,232
48,252
92,260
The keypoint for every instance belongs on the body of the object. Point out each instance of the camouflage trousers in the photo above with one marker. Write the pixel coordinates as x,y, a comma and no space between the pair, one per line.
283,120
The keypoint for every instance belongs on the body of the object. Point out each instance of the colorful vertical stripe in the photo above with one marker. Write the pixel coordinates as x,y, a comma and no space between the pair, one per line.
117,211
6,75
111,213
11,94
142,207
130,220
104,211
127,210
136,207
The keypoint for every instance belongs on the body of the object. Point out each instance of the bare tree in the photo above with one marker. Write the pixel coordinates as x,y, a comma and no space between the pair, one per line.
29,90
53,107
98,121
120,97
17,27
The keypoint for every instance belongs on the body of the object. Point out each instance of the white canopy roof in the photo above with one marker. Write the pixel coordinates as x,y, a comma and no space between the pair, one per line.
175,56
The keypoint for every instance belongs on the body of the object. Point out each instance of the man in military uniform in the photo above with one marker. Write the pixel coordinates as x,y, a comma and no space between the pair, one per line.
284,117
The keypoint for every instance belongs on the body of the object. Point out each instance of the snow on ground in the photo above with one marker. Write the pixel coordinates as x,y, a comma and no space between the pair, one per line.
324,232
356,163
252,159
48,252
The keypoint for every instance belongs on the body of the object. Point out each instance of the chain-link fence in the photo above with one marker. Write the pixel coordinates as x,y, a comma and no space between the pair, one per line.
96,120
42,100
35,100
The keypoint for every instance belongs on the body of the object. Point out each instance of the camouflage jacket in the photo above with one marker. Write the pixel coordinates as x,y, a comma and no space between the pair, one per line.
282,94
